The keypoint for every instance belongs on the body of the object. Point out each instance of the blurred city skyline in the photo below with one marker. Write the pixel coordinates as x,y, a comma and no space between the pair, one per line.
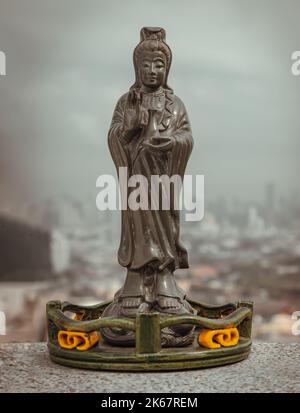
69,61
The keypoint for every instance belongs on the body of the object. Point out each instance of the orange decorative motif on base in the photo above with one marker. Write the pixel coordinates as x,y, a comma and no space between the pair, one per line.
76,339
226,337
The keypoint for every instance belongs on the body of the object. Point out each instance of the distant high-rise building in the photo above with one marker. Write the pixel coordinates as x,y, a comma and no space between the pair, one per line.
269,203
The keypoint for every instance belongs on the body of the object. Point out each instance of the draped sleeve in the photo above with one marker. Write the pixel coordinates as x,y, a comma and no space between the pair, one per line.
120,155
183,140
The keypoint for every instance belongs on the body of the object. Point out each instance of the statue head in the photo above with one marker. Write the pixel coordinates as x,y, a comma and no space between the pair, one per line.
152,59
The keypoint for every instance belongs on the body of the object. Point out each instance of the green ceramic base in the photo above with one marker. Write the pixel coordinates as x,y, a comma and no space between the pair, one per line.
110,358
147,355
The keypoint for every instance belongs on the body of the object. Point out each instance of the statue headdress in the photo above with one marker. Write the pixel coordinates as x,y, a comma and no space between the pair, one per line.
152,39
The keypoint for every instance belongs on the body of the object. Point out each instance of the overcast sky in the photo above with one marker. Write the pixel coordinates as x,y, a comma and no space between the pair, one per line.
69,61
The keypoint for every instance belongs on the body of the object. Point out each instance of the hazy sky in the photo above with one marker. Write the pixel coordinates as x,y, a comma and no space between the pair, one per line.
69,61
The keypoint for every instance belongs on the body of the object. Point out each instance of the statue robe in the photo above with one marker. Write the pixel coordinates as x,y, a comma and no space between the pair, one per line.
152,236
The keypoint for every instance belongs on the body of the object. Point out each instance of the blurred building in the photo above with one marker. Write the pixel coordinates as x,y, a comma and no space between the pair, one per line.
30,253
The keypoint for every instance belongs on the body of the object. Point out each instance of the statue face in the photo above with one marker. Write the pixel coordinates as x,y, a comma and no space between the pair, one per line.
152,69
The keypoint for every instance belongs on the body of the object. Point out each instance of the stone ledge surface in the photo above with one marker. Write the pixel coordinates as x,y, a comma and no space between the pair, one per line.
271,367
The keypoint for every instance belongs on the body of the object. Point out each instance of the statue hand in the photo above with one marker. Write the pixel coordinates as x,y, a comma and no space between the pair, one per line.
135,117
